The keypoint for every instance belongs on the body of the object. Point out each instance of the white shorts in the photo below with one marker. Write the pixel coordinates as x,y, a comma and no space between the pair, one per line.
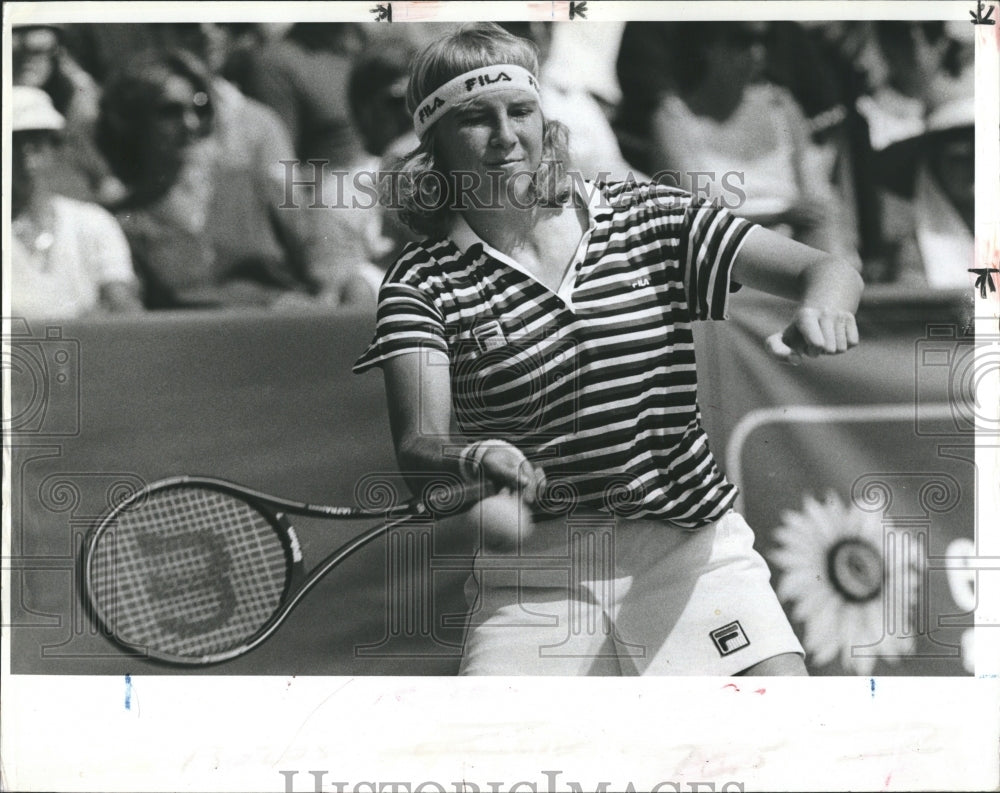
596,596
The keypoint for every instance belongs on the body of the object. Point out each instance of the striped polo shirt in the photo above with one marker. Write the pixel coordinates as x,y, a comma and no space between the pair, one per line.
596,382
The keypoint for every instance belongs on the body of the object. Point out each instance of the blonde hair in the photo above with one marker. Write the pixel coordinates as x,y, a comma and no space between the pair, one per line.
424,203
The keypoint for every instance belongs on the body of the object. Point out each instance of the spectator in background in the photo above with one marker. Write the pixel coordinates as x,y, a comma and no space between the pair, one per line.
920,79
303,76
930,200
102,48
240,44
39,60
922,68
924,60
847,49
593,147
644,74
69,258
585,55
822,85
749,135
796,61
411,38
341,202
203,223
252,137
377,95
250,134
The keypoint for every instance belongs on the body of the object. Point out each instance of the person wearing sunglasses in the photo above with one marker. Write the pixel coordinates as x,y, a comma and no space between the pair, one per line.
204,225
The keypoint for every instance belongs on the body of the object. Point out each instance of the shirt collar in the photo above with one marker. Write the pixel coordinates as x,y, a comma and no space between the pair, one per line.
464,237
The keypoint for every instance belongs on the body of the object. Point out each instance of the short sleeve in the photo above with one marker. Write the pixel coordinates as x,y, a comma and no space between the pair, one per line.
406,321
711,241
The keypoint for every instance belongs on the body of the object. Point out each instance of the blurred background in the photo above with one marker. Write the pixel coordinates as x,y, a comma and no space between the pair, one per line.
855,137
193,275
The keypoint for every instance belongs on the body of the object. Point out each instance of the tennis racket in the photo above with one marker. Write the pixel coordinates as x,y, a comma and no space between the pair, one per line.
194,570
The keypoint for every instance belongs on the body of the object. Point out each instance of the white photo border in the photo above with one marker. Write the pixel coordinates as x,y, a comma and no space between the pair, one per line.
218,733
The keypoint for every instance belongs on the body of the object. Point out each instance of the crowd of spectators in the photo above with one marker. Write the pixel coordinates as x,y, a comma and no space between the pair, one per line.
212,165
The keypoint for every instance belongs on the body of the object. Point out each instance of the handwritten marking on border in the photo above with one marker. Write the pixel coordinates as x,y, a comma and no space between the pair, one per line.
979,18
984,279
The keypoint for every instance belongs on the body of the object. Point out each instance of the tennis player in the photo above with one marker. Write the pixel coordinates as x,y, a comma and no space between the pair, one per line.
540,338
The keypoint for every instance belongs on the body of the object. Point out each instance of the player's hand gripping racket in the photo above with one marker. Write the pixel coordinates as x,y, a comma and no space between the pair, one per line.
197,571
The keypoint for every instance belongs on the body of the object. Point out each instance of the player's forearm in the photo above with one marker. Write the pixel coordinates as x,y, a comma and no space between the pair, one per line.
418,393
419,455
831,283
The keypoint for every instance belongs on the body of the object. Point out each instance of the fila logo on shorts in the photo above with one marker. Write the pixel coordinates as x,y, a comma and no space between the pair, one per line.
729,638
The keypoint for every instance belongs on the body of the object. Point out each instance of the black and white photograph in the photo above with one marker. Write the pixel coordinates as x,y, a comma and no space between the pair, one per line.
384,383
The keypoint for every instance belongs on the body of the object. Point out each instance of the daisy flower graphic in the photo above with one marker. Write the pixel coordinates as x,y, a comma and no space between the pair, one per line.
835,576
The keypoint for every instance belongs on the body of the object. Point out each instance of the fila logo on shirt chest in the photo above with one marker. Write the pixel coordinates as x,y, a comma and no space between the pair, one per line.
489,336
640,283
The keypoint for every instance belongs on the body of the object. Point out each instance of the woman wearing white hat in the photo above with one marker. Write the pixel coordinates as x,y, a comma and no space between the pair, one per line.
929,204
69,257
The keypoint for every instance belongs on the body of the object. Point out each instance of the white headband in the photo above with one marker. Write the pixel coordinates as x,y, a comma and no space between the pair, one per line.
468,85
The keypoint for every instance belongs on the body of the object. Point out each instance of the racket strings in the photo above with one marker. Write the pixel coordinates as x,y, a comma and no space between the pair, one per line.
188,572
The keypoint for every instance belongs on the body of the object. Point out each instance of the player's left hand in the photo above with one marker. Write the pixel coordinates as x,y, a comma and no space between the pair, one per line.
814,332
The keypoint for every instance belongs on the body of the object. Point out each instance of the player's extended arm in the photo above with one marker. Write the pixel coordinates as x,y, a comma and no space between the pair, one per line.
828,290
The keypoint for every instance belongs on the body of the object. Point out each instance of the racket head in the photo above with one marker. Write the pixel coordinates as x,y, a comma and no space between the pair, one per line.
190,571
